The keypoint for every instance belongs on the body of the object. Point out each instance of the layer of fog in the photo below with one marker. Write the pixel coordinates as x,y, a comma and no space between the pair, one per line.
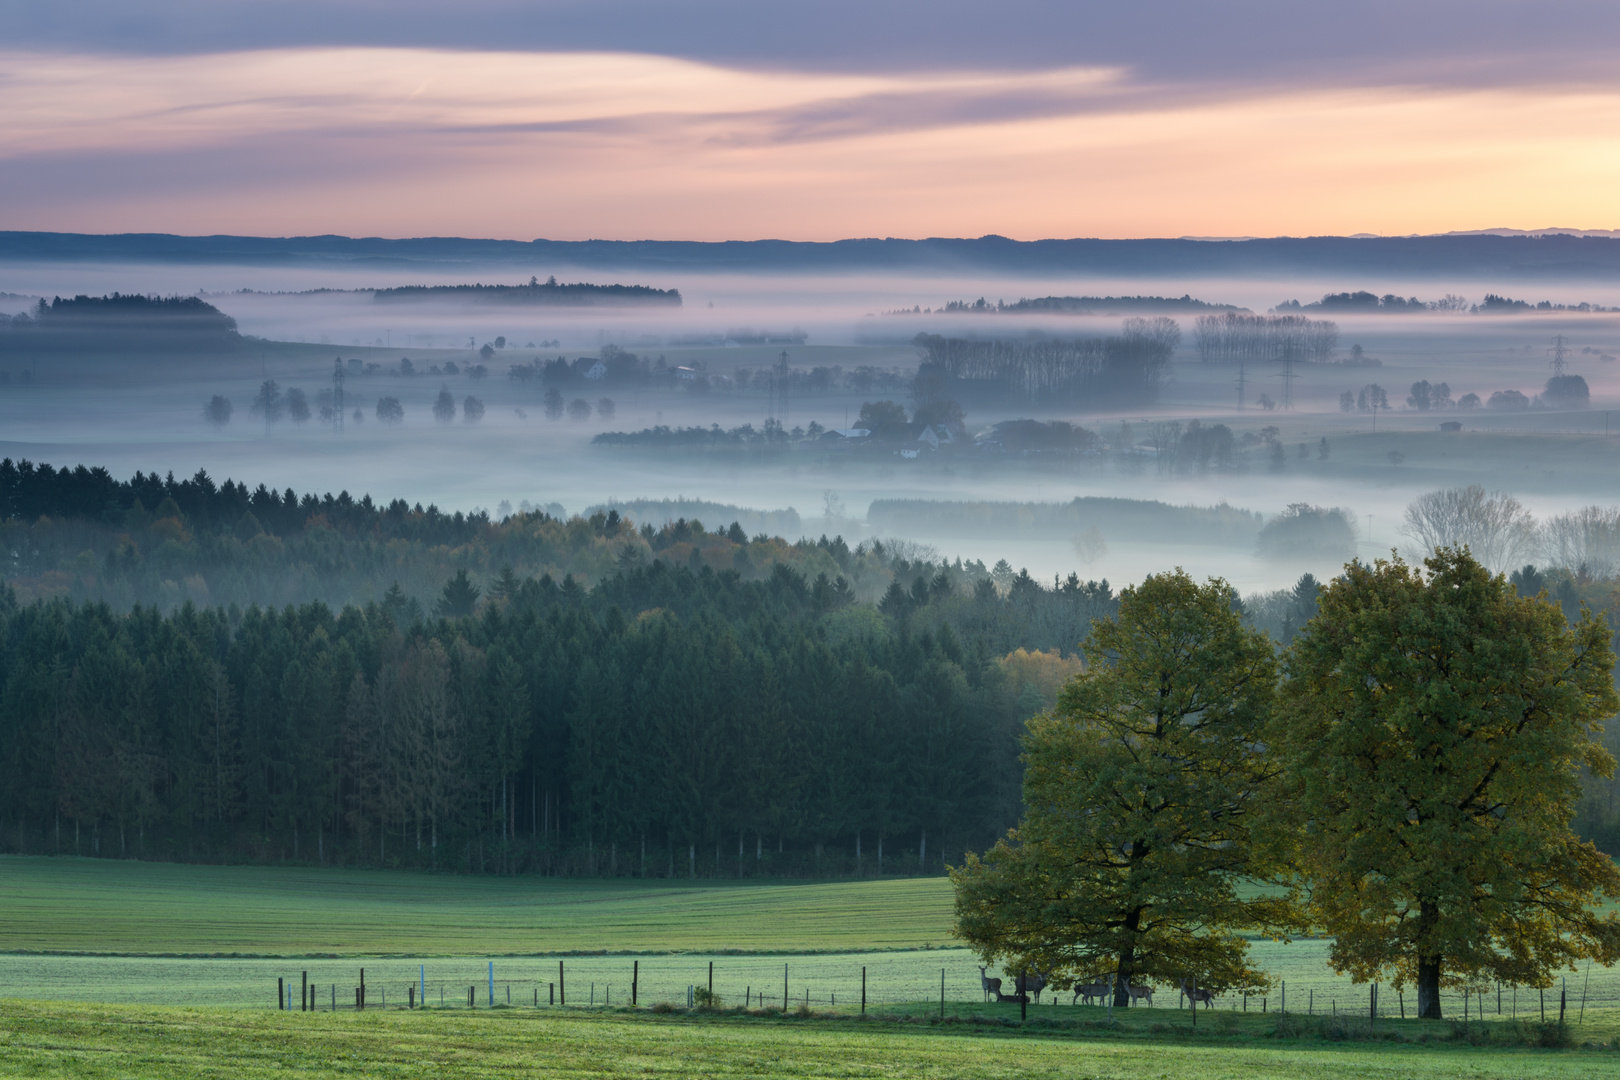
138,414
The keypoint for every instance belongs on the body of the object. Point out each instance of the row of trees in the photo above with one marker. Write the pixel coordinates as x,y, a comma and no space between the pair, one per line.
1403,778
1503,534
1234,338
1128,369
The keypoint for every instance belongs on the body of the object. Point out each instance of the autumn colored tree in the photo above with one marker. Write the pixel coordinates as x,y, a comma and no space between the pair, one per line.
1139,792
1434,730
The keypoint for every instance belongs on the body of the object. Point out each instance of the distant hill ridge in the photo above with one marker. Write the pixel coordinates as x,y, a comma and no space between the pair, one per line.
1475,257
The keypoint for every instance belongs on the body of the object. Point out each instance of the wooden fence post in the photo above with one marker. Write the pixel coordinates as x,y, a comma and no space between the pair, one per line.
635,982
281,994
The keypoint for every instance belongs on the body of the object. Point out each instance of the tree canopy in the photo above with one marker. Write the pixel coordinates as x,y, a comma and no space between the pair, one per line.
1435,727
1139,792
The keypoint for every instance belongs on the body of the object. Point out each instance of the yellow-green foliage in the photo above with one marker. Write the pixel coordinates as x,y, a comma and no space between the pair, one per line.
1035,677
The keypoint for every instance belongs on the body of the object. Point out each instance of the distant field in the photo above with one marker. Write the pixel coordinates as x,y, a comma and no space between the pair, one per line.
110,906
74,1040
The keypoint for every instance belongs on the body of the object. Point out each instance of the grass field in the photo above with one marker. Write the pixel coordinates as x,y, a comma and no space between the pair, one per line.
50,1040
150,933
110,906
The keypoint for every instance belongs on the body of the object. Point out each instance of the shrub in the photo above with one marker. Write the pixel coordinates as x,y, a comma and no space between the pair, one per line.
1305,532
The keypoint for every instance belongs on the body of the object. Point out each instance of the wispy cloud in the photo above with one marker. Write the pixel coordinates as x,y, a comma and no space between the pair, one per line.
573,144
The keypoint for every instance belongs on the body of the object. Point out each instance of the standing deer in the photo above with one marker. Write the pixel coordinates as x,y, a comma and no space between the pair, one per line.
1196,995
1030,984
990,986
1092,992
1138,992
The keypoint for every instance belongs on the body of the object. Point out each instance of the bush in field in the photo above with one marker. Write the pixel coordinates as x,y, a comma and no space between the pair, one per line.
1567,392
218,410
1309,533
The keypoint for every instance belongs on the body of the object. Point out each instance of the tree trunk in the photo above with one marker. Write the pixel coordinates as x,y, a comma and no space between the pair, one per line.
1428,982
1428,987
1127,955
1122,982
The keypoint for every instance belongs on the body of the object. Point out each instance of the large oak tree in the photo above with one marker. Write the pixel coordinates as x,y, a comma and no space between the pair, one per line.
1139,791
1434,730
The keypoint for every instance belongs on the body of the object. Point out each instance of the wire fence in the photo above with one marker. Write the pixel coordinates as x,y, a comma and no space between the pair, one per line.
841,982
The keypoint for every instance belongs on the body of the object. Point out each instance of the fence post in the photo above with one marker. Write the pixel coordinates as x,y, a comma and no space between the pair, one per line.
863,991
942,993
362,988
635,982
711,981
281,994
421,973
303,993
784,988
562,987
492,984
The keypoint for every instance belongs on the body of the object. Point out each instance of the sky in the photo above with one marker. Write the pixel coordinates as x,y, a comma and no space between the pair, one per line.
718,119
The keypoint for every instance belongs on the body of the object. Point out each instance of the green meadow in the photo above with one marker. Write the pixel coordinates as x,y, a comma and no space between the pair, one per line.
111,906
112,931
62,1040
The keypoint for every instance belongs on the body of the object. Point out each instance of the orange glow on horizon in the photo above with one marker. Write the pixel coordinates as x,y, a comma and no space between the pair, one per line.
573,146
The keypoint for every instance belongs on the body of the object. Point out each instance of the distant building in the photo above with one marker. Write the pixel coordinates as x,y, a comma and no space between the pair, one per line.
597,372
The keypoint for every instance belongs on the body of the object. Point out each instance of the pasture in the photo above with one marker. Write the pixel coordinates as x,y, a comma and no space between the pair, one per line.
50,1040
68,905
111,931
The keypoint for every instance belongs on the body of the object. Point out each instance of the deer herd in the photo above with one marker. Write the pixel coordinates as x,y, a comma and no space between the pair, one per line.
1027,987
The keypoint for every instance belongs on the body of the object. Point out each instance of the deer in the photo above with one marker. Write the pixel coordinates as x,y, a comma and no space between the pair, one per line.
1091,992
1196,995
1138,992
1016,999
990,986
1030,984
